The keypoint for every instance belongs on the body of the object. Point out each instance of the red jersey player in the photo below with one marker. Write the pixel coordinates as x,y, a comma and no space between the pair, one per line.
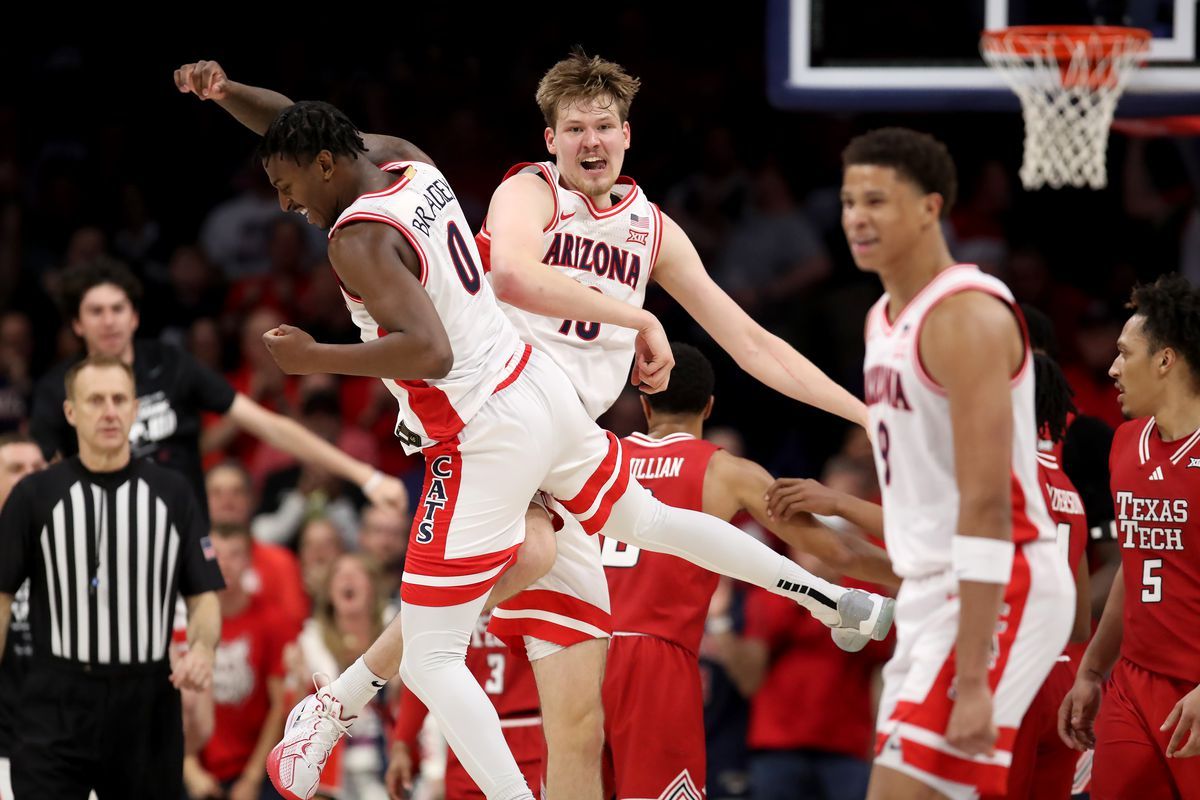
653,720
1149,722
507,679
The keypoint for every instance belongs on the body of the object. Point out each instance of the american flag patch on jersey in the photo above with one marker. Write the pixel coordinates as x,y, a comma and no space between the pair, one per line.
637,223
206,547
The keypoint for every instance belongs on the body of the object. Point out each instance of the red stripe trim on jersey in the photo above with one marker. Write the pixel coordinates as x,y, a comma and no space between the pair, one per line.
550,182
517,370
658,237
586,497
483,243
888,324
434,410
649,441
394,166
558,603
513,632
1026,353
878,310
349,294
605,213
421,595
987,778
396,186
595,523
368,216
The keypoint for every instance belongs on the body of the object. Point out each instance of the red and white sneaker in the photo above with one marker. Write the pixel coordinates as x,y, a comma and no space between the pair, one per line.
313,727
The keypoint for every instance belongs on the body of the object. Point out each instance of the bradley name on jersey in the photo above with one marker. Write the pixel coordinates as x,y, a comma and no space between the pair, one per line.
603,259
437,197
1133,511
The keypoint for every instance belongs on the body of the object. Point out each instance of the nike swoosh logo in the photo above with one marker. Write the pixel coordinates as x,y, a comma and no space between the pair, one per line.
379,684
565,217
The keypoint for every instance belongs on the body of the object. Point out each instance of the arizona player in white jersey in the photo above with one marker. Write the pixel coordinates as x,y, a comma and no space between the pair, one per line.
512,426
597,230
986,602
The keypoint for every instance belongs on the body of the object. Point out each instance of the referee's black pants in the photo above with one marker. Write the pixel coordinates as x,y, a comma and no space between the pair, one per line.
118,731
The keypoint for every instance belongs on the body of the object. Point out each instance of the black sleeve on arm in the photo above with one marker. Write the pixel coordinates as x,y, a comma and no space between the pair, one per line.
209,391
1085,460
198,572
47,423
16,538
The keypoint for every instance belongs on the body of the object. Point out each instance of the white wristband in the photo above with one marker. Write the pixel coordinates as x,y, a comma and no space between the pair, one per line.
372,482
981,559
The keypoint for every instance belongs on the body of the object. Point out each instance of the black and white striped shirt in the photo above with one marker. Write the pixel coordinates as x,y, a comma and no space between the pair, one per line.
107,555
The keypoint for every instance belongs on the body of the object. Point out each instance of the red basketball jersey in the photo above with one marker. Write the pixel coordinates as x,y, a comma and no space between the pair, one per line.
1156,496
1065,507
655,594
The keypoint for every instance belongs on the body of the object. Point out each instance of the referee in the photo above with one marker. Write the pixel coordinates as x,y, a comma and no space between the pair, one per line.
108,544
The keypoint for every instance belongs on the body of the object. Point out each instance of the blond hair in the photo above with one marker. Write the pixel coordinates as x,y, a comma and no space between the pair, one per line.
578,78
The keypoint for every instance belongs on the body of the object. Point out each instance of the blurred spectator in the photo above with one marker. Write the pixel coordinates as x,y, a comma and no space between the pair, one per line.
16,365
285,280
273,578
350,612
320,544
247,687
384,537
707,203
138,240
190,290
773,255
204,343
1096,345
236,233
977,224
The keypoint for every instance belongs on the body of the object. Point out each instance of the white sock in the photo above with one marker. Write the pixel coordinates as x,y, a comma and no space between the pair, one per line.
355,687
434,668
639,519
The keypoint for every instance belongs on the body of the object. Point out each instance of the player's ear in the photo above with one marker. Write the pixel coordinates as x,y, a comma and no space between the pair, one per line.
1166,359
625,130
549,134
933,206
708,407
325,164
69,411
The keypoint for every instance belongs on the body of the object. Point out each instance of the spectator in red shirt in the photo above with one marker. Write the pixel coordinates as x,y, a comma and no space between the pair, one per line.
247,686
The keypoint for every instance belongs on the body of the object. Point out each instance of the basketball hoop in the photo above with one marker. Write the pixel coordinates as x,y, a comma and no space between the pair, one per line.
1069,78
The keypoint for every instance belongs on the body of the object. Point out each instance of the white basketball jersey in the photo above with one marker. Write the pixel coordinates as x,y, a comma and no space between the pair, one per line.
610,250
421,205
913,440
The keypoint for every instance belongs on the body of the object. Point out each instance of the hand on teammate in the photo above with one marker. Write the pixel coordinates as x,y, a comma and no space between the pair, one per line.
390,493
1077,714
653,360
399,772
971,728
1185,716
291,348
788,497
205,79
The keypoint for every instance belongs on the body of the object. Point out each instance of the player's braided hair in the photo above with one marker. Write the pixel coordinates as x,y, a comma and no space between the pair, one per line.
690,386
304,129
1052,397
917,156
1171,309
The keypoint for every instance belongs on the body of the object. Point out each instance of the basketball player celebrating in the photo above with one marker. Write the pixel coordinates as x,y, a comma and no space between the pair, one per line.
986,603
1148,725
598,231
496,422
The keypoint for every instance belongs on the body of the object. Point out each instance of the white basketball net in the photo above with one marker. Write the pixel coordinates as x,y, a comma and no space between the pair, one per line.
1067,101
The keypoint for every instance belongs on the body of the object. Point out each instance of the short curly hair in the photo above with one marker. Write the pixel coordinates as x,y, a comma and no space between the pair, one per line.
304,129
80,279
917,156
691,383
1171,309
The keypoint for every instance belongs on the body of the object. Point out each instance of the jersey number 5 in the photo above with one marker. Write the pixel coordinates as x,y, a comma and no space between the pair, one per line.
1151,583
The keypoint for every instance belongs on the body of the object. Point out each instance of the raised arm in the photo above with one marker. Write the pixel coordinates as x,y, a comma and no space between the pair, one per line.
256,108
768,358
520,207
732,484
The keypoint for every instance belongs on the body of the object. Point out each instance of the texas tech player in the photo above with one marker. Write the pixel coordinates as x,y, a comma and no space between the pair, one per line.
653,720
986,603
1043,767
1151,703
508,682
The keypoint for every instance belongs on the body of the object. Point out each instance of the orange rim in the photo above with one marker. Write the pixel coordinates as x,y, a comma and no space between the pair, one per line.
1026,40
